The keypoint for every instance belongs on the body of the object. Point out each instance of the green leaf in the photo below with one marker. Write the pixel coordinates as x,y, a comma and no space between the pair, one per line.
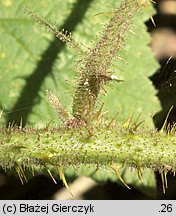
136,94
32,60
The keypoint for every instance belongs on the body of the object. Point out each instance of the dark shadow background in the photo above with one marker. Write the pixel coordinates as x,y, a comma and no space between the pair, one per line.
164,79
41,186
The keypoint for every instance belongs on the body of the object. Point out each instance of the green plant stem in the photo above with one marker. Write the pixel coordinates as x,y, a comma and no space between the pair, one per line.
108,146
95,69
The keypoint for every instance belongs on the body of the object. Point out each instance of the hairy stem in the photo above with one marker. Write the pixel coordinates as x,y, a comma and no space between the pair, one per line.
95,66
108,146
